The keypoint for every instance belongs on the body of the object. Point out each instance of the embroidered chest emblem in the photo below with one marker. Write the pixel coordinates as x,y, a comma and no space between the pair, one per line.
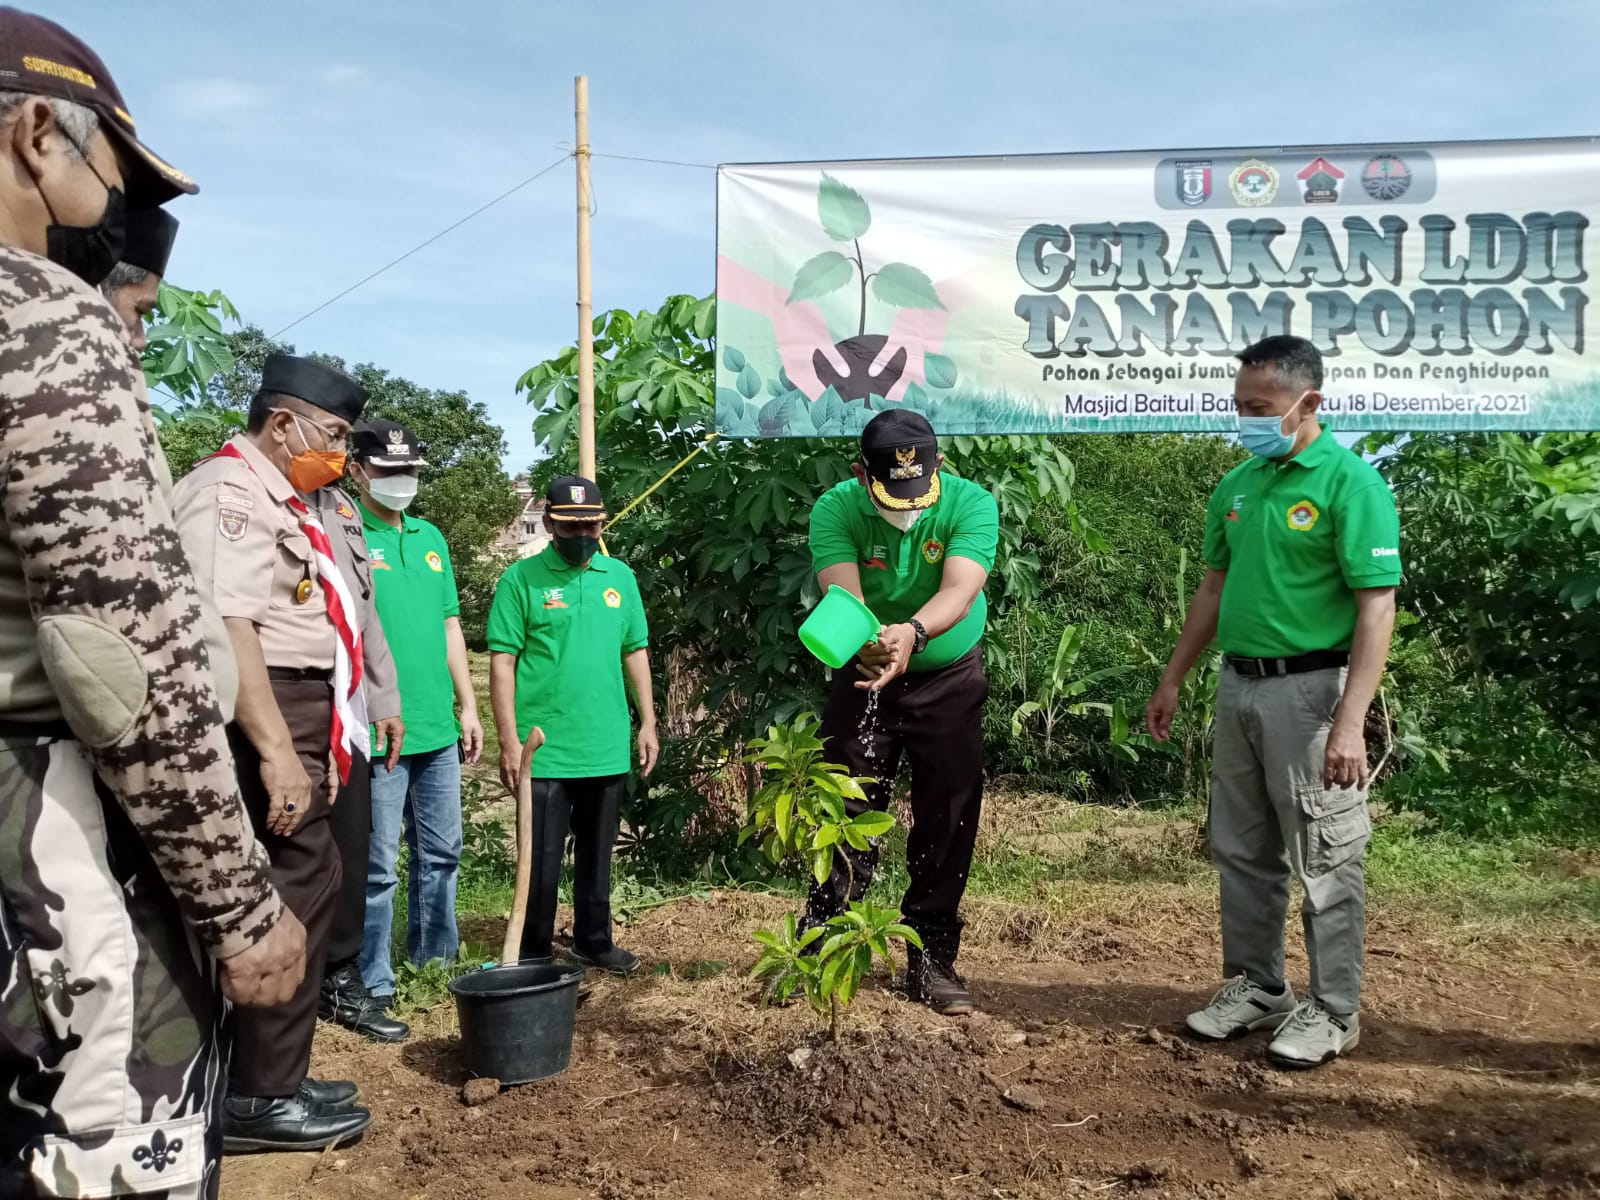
1303,516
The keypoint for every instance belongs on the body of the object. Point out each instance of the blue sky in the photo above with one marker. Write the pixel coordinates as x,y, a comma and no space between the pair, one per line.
329,138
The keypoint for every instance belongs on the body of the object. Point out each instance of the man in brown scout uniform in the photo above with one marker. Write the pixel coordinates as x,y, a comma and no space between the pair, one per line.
127,868
290,590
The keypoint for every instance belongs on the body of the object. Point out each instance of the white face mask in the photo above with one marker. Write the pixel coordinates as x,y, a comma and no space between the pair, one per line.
903,521
394,492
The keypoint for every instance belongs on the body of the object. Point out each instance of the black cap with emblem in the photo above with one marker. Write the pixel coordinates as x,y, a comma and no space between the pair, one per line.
318,384
901,454
574,498
40,58
151,233
386,444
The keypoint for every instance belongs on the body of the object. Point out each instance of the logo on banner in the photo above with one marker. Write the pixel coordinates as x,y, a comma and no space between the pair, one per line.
1386,177
1322,180
1194,181
1253,183
1303,516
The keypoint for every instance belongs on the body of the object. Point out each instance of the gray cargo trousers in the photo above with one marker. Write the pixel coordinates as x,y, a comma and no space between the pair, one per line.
1270,818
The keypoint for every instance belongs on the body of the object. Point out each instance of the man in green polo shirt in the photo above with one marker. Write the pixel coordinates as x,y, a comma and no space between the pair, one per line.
568,638
1303,556
917,545
421,794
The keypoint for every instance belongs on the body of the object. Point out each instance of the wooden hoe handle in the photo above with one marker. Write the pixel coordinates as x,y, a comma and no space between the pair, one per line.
511,950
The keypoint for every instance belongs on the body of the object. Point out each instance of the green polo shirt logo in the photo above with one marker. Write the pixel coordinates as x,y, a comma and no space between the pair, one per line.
1303,516
1298,539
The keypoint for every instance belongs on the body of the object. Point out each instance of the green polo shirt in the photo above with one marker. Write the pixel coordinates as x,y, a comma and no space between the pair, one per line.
415,588
1297,538
900,572
569,628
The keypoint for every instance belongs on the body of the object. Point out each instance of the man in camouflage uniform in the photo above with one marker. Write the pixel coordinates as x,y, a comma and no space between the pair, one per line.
128,872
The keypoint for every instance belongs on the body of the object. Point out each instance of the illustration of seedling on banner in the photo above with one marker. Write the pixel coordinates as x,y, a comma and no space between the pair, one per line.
799,812
846,218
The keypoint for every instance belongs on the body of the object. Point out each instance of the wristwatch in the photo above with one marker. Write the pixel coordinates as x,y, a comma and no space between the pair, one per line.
921,643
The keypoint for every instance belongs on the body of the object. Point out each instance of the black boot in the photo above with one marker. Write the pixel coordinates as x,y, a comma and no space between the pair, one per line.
251,1123
937,985
345,1000
615,961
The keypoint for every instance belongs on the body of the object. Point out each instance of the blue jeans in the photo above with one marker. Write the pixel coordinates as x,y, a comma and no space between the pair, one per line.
423,792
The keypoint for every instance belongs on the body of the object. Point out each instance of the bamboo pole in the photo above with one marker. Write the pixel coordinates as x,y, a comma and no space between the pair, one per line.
580,153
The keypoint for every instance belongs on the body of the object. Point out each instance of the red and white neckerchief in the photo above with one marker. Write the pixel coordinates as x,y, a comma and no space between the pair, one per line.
349,736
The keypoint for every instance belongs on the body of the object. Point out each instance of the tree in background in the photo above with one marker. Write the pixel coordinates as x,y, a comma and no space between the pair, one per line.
1495,667
206,378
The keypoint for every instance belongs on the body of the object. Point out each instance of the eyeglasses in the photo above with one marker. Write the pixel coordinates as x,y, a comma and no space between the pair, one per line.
331,441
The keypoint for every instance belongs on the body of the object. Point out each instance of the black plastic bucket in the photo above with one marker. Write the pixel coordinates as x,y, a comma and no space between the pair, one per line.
517,1021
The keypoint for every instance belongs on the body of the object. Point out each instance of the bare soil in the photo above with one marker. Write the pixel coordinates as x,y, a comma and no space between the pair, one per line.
1478,1075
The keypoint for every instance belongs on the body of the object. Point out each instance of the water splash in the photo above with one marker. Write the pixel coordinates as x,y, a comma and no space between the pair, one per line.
868,729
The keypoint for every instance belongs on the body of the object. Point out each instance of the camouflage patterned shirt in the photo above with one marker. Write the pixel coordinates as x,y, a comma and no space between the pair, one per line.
100,624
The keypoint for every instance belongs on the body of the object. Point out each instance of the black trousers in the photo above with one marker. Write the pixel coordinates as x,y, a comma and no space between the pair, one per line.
351,822
934,720
588,808
272,1046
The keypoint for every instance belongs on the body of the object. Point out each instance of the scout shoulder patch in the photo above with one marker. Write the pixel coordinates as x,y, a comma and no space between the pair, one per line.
1303,515
232,522
613,598
933,550
435,563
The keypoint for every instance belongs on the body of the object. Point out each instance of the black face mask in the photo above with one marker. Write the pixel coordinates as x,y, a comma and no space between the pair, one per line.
90,251
576,550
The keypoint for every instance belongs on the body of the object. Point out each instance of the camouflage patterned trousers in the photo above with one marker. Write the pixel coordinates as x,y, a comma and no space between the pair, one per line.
112,1051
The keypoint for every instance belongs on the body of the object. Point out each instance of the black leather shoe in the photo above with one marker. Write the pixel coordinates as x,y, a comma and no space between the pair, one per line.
346,1001
330,1093
252,1123
937,985
616,960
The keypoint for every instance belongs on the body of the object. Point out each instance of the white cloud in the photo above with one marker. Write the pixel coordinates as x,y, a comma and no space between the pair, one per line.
216,97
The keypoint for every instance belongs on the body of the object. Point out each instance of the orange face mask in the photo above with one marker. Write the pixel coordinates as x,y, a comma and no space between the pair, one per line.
313,469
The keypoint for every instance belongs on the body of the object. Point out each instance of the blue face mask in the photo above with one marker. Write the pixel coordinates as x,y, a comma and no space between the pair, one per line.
1264,436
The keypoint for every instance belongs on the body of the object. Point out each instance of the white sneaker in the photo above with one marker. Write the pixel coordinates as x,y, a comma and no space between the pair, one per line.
1312,1036
1241,1008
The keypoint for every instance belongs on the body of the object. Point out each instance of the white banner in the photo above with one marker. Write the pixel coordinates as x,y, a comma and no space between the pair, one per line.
1447,287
